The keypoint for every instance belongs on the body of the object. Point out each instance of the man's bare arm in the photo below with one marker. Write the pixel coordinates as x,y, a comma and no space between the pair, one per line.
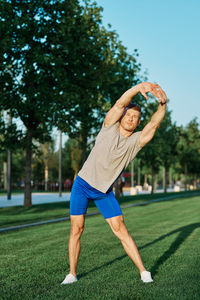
149,130
117,110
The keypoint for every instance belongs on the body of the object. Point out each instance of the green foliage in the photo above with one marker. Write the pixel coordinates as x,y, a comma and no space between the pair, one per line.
100,71
73,157
60,67
18,163
27,77
10,136
167,138
161,150
189,148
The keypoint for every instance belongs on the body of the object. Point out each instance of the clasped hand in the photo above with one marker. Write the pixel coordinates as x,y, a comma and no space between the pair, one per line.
154,89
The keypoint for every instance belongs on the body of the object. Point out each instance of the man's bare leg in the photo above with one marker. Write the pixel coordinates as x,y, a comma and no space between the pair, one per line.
77,227
119,229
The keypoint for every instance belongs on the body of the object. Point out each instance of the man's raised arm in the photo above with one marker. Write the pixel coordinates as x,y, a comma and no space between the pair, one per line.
117,110
150,129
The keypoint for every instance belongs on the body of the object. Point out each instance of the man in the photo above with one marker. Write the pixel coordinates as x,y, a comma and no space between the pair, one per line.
116,145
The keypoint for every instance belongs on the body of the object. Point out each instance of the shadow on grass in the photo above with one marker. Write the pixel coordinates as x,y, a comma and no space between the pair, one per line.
184,233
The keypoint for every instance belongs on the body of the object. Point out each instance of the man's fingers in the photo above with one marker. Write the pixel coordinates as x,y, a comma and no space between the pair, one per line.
142,91
155,90
145,96
163,94
156,93
160,94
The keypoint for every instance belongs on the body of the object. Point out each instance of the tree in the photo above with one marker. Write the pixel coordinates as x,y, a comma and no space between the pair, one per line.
27,72
72,157
168,139
149,155
161,150
41,159
189,151
56,66
33,69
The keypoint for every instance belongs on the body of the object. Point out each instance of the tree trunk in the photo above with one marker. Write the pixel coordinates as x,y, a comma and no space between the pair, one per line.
132,173
9,185
60,166
75,175
46,176
195,182
185,181
9,163
165,179
138,173
170,178
27,194
153,177
145,180
166,172
155,182
84,148
5,175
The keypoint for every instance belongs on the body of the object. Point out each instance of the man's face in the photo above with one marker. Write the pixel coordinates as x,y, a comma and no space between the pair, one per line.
131,119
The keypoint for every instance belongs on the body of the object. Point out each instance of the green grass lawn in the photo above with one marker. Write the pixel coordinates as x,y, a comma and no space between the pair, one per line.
34,261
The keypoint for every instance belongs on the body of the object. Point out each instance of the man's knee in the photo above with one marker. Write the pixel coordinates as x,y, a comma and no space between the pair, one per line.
77,226
117,225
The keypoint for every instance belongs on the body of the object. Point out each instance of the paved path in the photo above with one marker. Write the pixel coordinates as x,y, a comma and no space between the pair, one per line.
37,198
41,198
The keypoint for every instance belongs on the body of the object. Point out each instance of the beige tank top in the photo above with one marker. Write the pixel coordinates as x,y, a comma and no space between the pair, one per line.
111,153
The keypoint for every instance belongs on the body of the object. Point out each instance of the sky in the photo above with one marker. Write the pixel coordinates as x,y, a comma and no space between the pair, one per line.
167,36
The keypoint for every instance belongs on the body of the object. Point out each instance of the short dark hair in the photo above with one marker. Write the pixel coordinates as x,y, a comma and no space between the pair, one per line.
131,105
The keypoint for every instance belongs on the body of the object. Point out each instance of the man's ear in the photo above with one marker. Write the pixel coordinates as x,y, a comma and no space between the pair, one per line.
138,122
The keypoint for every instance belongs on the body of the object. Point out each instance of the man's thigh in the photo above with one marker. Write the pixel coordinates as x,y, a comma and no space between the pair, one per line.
108,206
78,200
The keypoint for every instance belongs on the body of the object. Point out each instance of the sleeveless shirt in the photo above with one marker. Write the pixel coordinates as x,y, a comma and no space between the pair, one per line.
111,153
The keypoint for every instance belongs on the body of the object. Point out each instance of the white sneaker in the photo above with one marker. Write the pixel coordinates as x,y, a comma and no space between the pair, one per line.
69,279
146,277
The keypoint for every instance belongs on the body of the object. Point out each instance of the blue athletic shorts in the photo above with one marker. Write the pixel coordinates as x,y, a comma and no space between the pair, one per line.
82,193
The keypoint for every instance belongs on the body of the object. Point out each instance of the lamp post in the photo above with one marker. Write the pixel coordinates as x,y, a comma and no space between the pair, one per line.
132,173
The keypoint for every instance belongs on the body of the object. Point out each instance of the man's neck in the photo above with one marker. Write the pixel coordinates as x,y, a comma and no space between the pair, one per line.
124,132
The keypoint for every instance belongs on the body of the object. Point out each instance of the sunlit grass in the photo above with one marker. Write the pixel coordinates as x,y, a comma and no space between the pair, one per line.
34,261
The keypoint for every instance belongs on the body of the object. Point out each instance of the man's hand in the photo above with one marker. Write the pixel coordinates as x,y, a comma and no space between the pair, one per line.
154,89
117,110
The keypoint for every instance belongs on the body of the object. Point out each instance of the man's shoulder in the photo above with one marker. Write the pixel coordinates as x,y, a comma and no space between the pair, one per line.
107,127
107,131
136,134
134,140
